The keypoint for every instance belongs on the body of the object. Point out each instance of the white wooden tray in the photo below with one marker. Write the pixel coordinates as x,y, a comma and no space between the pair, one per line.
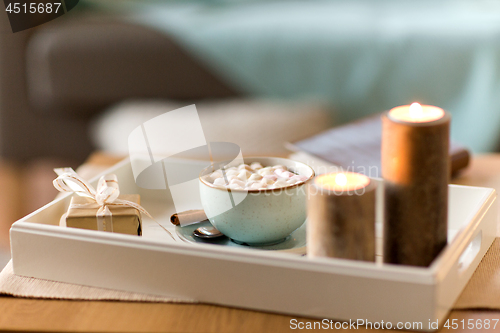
256,279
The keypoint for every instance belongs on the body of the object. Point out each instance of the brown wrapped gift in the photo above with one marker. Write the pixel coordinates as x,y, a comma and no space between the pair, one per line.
124,220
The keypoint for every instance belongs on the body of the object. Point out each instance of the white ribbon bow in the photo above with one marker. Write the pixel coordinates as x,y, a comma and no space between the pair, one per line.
106,195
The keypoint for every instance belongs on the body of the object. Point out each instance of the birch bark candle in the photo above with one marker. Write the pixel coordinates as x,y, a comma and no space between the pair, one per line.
341,217
415,168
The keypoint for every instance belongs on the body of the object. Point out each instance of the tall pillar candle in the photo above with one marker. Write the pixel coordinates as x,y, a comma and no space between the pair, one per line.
341,217
416,169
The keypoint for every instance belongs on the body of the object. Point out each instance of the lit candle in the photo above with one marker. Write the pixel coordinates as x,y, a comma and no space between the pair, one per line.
416,113
416,169
341,217
342,181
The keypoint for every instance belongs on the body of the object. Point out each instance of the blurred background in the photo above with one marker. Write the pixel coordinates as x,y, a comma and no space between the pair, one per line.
260,72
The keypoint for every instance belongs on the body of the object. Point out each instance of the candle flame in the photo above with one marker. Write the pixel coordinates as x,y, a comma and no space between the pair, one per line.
416,113
341,179
416,110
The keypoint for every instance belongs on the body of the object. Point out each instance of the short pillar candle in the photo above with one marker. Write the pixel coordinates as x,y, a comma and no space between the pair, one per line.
341,217
415,169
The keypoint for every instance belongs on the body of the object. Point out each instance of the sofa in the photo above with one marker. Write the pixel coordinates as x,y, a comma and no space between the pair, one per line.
358,57
55,78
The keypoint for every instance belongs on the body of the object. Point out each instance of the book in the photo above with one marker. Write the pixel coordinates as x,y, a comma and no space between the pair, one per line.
356,147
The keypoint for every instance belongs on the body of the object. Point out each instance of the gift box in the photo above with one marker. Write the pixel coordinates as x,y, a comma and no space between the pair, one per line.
83,214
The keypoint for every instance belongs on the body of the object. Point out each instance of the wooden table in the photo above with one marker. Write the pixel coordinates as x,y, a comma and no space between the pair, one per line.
55,315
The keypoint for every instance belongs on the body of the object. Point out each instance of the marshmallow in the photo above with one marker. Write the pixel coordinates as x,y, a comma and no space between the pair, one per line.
286,174
255,176
280,183
267,181
232,172
214,175
237,182
265,171
244,175
245,166
256,166
229,178
278,166
258,185
299,178
250,183
272,177
220,181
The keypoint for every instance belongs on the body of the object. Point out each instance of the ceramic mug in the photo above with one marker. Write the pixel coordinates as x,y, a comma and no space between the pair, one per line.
257,216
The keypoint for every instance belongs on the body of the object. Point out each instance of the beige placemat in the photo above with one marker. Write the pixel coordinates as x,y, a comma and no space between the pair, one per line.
20,286
482,291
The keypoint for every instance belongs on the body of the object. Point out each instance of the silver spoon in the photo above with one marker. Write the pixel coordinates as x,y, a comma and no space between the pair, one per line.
207,232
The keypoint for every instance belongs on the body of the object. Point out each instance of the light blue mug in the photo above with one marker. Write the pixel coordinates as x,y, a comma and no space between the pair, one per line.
257,216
